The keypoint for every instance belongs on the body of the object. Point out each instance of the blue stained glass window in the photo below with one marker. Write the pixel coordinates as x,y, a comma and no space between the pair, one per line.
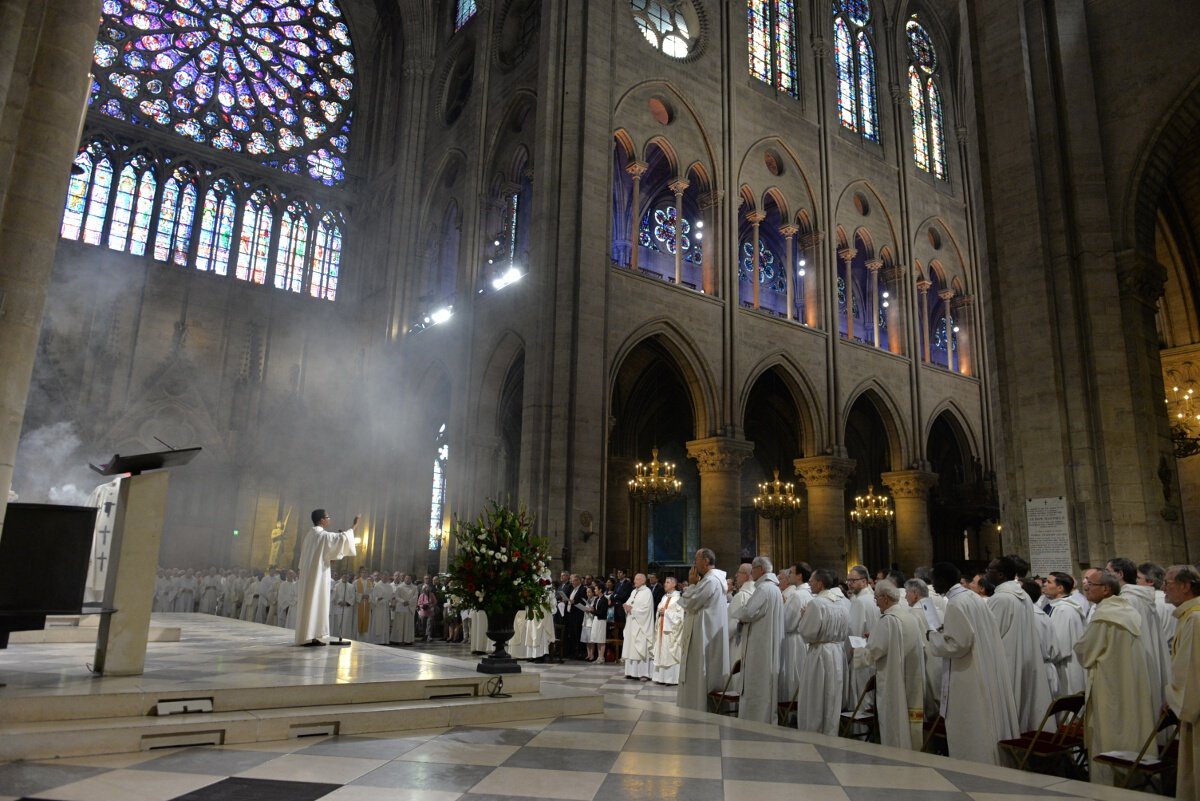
216,228
254,245
327,257
866,88
291,255
785,47
77,192
771,273
844,60
758,36
925,100
267,78
463,11
771,41
665,230
98,202
437,505
854,60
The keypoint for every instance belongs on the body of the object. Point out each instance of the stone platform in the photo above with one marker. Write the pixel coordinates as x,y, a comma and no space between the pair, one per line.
228,681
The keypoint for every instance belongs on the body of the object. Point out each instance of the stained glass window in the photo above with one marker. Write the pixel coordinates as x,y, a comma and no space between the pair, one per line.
176,212
770,37
291,255
254,245
216,228
514,201
327,256
664,25
132,206
665,230
771,274
463,11
929,144
98,202
437,505
77,190
269,78
854,59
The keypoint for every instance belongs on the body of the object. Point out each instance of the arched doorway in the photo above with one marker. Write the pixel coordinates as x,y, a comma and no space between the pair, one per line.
868,443
773,421
963,505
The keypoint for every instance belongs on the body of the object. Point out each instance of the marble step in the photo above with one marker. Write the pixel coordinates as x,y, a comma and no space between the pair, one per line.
46,739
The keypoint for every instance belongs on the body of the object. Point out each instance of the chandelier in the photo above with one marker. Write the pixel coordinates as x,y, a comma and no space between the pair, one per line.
1183,411
776,500
654,482
871,509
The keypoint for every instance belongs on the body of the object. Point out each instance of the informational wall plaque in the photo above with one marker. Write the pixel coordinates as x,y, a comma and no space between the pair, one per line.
1049,535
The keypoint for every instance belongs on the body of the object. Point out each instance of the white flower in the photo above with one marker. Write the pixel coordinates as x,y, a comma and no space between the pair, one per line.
479,594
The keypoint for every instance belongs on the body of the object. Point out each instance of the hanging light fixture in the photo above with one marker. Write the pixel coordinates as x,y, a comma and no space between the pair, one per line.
654,481
871,510
776,500
1183,409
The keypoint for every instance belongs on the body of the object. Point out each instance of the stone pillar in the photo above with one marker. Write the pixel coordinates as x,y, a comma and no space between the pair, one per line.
789,232
923,306
678,186
847,256
874,266
719,460
825,477
946,296
893,282
812,285
45,147
710,205
910,496
962,306
636,169
755,218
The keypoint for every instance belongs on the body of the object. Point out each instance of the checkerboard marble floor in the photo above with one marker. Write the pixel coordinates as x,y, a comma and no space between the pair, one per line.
641,747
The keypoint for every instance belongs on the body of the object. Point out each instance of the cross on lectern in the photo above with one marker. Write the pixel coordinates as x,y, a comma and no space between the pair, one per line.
105,532
101,559
108,505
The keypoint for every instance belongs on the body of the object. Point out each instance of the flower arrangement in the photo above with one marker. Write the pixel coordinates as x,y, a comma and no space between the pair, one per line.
499,564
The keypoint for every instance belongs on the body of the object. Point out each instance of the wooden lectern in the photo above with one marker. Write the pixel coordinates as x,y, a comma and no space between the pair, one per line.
133,560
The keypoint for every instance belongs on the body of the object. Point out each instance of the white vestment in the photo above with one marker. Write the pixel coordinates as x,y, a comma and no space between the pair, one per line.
343,617
381,613
185,594
162,594
1118,683
864,614
104,498
639,633
762,639
287,597
794,651
704,643
404,621
737,644
1166,617
1066,627
479,640
977,692
1022,644
210,593
250,598
539,633
927,616
1158,661
320,547
824,626
897,650
669,622
1183,694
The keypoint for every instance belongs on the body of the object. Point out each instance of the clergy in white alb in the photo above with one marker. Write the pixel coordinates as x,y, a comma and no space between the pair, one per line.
824,626
210,592
381,612
1182,586
743,588
404,619
921,606
761,619
1158,661
320,547
796,596
704,643
896,649
1119,716
250,597
1021,642
1066,627
479,640
864,614
668,622
639,630
342,604
976,694
288,597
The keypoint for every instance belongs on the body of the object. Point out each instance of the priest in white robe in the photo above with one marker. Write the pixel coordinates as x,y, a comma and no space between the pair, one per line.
1119,716
1150,637
287,596
824,626
404,620
704,642
381,612
539,632
320,547
761,618
976,694
480,644
796,596
896,649
668,622
1066,627
639,630
921,606
250,597
343,605
743,589
1182,587
210,592
1021,642
864,614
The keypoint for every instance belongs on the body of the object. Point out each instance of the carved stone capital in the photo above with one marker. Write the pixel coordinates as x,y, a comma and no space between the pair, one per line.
963,302
755,217
962,134
789,230
810,240
679,185
874,264
847,254
710,199
909,483
820,48
945,294
824,471
719,454
1142,279
923,285
637,168
893,275
896,93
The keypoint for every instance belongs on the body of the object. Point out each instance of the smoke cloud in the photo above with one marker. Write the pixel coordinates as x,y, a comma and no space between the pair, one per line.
50,467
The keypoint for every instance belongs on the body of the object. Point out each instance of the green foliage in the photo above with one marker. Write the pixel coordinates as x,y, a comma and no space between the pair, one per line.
499,564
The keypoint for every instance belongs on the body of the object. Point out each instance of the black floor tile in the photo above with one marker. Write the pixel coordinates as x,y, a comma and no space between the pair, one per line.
667,744
425,776
795,771
240,789
208,761
577,759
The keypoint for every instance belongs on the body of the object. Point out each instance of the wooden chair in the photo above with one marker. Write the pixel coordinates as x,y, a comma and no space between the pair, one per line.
724,697
860,717
1147,766
787,708
1057,743
935,735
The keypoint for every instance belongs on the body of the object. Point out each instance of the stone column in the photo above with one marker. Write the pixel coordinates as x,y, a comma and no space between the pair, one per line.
825,477
44,149
910,495
894,304
847,256
755,218
874,266
789,232
923,306
710,204
946,296
678,186
962,306
812,285
636,169
719,460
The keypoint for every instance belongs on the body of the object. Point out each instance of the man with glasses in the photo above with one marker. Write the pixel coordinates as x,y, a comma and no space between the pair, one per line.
320,547
864,616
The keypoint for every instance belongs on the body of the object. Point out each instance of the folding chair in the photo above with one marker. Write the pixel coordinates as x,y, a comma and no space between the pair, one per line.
786,708
1140,763
934,730
860,716
724,696
1045,745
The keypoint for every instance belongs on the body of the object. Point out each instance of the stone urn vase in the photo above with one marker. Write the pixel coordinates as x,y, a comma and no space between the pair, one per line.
500,631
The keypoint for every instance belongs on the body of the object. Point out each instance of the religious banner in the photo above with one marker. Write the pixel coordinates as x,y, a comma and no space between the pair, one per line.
1049,535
